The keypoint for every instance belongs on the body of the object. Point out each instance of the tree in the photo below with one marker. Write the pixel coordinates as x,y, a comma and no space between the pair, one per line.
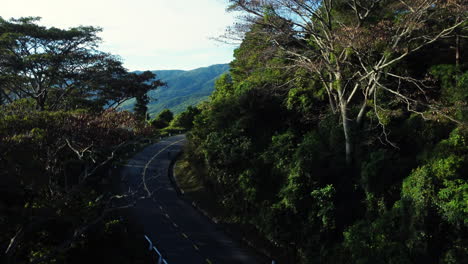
140,85
62,69
163,119
352,47
111,84
141,107
37,61
186,118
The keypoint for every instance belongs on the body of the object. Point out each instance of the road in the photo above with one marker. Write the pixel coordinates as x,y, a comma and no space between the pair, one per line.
179,231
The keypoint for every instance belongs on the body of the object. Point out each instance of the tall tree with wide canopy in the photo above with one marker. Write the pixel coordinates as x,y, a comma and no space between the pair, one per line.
62,69
37,61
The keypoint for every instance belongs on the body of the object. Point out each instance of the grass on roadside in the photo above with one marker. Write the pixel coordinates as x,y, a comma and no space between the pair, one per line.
196,191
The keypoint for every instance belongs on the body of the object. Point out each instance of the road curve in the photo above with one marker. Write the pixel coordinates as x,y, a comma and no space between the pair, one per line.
181,233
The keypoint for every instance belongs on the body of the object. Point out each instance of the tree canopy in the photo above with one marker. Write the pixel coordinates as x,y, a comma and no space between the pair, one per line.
353,47
62,69
163,119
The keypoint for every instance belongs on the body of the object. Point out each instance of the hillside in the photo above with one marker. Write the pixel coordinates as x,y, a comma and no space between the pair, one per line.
184,88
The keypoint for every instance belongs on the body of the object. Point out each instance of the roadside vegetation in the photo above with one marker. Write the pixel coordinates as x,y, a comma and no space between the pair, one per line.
61,143
167,124
340,132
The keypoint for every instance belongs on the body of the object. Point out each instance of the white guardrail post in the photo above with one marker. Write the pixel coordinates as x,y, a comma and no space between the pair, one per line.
150,243
161,260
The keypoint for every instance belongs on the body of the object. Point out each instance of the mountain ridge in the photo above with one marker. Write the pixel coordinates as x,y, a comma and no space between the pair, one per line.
184,88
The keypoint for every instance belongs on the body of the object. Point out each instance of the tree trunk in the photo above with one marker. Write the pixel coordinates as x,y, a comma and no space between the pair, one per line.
343,104
41,100
347,132
457,50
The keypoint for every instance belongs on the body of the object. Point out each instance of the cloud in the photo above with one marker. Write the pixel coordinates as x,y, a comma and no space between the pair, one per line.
147,34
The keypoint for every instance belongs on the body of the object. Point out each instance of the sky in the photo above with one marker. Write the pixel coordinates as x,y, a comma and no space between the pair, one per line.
146,34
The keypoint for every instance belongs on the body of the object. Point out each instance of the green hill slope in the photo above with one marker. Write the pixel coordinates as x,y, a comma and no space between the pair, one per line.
184,88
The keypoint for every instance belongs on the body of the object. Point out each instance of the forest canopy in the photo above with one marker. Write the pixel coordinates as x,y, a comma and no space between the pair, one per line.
340,133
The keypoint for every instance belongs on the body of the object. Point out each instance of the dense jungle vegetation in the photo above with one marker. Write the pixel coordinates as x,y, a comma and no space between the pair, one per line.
340,132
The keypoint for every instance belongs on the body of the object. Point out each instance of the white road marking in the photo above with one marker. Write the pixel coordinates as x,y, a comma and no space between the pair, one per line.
151,160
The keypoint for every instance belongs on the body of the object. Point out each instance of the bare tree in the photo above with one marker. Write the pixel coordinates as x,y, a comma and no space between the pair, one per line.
353,45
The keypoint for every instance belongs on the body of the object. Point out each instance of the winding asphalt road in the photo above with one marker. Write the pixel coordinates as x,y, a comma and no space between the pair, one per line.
177,229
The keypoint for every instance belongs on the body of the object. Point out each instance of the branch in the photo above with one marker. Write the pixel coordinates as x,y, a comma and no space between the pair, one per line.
418,83
384,130
409,100
80,154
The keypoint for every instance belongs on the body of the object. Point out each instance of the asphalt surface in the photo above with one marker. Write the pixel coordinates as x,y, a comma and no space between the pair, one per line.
181,233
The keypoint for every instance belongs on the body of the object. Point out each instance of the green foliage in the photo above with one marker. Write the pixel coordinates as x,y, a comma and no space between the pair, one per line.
223,87
185,119
63,70
38,60
269,145
453,82
163,119
454,87
425,225
442,182
377,242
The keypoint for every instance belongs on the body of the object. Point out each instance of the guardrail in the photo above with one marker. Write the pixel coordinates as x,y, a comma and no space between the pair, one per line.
160,258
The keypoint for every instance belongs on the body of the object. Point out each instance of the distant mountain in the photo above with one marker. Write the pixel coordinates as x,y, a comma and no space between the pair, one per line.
184,88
